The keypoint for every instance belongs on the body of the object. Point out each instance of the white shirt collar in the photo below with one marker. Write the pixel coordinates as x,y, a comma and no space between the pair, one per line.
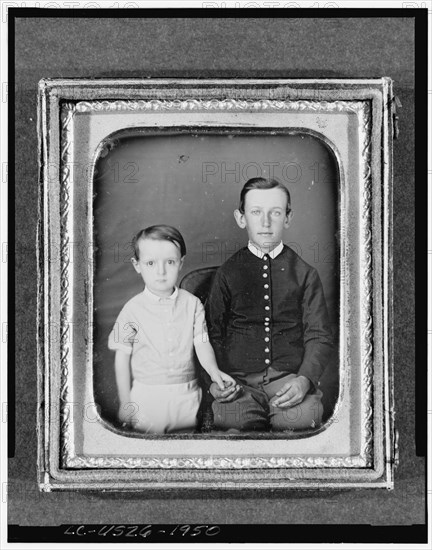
154,298
260,254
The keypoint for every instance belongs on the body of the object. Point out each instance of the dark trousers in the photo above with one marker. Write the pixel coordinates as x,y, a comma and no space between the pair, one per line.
253,409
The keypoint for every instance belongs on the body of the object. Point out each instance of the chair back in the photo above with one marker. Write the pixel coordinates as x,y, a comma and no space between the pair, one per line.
198,282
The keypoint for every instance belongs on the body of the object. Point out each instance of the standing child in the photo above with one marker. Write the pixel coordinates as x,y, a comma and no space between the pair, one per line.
268,322
154,339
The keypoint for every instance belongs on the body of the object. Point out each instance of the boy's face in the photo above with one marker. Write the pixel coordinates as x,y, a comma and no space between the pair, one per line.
264,217
159,265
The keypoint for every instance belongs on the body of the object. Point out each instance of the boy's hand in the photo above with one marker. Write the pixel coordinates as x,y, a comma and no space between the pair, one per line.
292,393
229,391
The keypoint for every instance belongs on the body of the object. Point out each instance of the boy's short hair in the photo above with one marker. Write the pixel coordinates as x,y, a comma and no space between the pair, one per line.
263,183
160,233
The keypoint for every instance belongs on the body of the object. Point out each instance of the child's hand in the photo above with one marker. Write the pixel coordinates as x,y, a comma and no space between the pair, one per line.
228,394
227,380
225,389
223,380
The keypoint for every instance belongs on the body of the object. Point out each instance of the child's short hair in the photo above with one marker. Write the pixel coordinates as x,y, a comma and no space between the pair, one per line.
263,183
160,233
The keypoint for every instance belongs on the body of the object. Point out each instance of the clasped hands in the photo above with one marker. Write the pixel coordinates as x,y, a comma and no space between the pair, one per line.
291,394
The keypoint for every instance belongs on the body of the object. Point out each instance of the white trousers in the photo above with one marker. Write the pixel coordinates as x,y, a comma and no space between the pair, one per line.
165,408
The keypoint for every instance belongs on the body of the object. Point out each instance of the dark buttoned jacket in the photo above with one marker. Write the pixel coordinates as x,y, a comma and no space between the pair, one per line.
269,312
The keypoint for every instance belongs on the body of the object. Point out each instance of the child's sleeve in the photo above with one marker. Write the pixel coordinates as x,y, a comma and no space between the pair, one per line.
200,333
123,334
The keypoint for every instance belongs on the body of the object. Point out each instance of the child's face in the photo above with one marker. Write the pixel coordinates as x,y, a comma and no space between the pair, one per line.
159,265
264,217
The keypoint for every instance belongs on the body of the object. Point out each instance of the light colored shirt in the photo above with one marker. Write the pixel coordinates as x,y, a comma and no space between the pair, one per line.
260,254
159,334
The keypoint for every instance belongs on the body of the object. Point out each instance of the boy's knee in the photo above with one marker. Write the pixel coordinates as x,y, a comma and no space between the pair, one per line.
228,415
238,415
307,414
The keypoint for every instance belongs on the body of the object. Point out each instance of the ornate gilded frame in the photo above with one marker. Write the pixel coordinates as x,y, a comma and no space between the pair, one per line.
357,446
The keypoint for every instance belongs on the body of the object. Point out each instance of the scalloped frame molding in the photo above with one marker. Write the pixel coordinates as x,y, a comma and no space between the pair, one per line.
60,464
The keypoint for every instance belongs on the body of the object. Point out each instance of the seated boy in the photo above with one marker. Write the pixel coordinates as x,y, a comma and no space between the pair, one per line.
268,323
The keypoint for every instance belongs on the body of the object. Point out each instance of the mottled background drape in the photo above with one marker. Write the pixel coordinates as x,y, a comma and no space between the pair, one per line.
193,182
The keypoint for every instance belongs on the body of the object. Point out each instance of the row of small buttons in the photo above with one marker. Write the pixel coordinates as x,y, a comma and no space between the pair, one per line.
267,308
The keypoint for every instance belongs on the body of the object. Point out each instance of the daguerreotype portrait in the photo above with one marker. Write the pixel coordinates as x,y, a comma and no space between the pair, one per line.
215,284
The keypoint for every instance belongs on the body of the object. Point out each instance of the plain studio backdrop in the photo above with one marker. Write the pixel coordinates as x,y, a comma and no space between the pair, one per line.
192,181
